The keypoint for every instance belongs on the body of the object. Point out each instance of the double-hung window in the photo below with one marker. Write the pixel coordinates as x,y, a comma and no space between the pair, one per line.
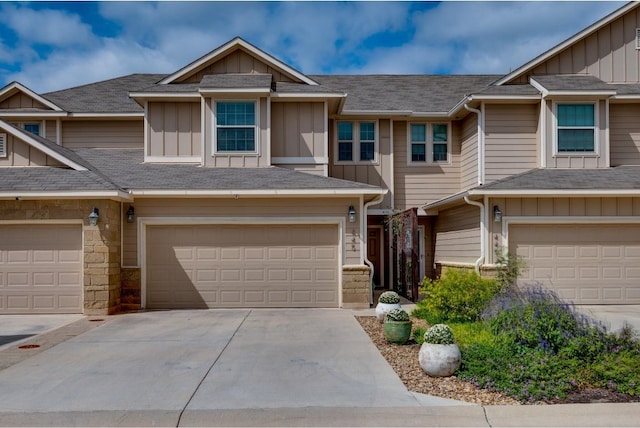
356,141
576,128
236,126
429,142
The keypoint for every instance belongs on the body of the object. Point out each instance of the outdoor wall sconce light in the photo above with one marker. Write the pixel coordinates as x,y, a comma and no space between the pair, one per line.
497,214
352,214
130,213
93,217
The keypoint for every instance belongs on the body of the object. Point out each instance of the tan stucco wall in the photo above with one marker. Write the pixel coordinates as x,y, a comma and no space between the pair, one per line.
101,244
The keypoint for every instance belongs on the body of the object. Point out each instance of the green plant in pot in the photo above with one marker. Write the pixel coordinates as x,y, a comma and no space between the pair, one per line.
397,326
439,355
386,302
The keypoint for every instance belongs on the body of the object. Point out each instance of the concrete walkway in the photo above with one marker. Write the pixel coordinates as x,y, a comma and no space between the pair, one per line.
243,368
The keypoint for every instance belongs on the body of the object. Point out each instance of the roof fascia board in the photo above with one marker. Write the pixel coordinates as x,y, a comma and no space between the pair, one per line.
20,87
560,47
299,95
533,82
215,91
234,43
149,95
257,193
24,136
45,114
555,192
84,194
107,115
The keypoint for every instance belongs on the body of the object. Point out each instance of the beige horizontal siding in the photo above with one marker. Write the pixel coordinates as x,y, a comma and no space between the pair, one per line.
418,185
609,54
624,134
103,133
457,235
262,208
510,139
469,152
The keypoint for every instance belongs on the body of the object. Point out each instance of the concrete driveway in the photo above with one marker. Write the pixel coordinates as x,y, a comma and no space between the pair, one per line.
171,367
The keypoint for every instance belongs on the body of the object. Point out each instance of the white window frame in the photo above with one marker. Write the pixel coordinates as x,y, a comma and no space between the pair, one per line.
428,144
595,127
22,125
256,129
3,145
355,148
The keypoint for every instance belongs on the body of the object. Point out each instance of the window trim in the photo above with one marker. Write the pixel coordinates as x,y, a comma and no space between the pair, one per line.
428,144
256,129
22,125
596,130
3,145
356,143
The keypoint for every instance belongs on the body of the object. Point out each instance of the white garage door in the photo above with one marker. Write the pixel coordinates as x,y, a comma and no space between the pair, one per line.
40,269
586,264
217,266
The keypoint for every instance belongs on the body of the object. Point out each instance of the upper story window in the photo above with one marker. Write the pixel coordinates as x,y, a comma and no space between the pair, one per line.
576,128
33,127
429,143
236,126
357,141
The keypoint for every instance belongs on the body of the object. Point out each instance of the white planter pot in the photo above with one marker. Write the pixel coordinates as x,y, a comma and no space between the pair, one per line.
383,308
439,360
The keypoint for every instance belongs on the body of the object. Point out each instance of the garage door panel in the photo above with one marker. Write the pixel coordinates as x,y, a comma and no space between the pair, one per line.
255,266
584,263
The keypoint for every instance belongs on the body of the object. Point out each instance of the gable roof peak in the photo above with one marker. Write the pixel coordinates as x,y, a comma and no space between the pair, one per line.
232,45
15,86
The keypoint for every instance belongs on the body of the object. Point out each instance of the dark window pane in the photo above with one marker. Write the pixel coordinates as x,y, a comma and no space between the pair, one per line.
439,152
235,113
32,127
439,132
345,151
367,131
236,140
418,153
576,115
345,131
366,151
418,133
575,140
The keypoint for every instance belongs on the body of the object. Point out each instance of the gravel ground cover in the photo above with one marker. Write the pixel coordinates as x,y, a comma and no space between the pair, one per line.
404,360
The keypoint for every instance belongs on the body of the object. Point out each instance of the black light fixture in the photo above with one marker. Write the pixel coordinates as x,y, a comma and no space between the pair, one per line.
93,217
130,213
352,214
497,214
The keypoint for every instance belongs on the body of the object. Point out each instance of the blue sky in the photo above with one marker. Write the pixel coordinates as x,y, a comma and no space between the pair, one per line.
55,45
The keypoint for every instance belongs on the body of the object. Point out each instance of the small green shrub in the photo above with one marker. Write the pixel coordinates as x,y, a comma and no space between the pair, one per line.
508,268
439,334
460,295
390,297
619,371
418,334
397,314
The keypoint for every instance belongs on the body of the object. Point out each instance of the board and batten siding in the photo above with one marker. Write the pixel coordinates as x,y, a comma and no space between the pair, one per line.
457,235
416,185
376,174
21,100
609,54
624,134
174,129
120,134
511,136
20,153
469,152
261,208
237,62
298,130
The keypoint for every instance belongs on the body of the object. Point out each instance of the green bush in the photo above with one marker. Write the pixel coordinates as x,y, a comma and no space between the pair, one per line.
439,334
418,334
619,371
397,314
460,295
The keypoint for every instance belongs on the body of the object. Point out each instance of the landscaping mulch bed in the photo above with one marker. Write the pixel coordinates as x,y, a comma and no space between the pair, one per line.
404,360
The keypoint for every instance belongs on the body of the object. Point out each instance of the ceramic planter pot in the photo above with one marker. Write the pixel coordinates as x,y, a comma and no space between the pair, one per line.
397,331
383,309
439,360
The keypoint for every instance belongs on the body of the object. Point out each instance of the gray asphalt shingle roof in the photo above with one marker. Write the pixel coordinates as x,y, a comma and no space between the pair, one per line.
573,82
617,178
125,168
43,179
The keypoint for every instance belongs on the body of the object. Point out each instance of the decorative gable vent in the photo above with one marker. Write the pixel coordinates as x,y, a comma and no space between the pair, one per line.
637,38
3,145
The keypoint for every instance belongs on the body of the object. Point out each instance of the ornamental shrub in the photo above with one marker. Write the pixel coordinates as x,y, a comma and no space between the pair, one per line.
439,334
460,295
397,314
389,297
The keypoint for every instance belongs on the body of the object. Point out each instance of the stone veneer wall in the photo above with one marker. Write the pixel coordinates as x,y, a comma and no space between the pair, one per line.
356,289
101,244
131,297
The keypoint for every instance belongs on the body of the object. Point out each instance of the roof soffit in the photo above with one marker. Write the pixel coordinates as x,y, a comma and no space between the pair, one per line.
227,49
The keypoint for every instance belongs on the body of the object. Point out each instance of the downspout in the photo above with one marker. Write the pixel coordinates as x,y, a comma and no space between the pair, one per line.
363,234
482,231
480,143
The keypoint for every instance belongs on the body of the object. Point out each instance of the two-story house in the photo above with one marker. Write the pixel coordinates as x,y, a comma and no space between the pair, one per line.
238,181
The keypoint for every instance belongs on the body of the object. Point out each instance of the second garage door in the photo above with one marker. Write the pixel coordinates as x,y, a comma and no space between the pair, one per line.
218,266
586,264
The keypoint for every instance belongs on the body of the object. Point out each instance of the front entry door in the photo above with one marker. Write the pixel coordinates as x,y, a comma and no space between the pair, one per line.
373,254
